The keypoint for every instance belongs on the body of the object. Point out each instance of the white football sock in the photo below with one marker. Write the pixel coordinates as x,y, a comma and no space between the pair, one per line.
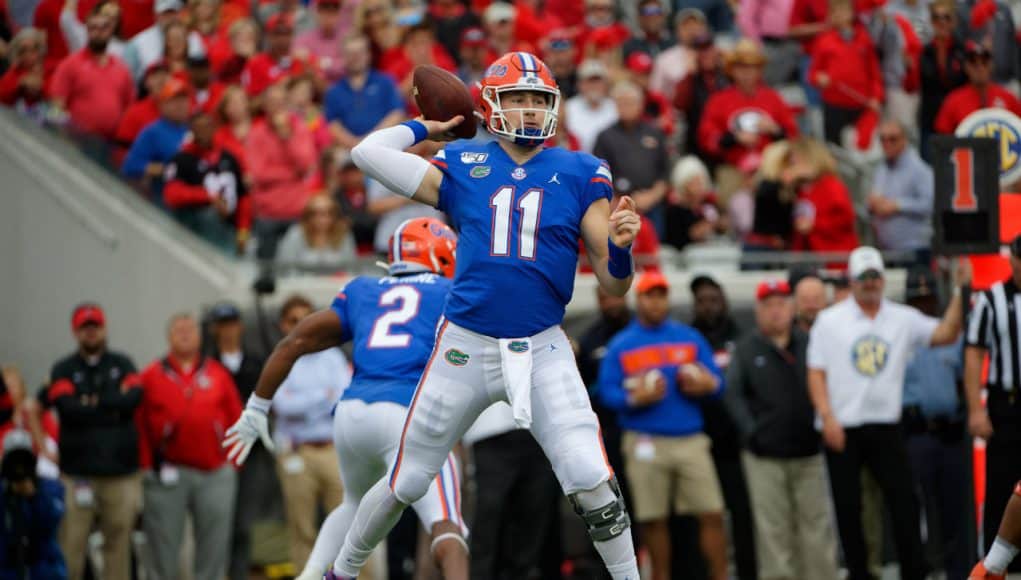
1000,556
377,515
330,539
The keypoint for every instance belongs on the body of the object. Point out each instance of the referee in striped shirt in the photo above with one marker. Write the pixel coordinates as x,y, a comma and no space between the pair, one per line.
994,327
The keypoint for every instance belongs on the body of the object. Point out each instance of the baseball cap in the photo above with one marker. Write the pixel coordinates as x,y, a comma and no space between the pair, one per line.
88,313
704,280
174,87
224,311
158,66
473,36
639,62
864,259
591,69
769,288
161,6
198,61
560,39
1015,247
280,22
976,49
499,12
19,461
920,283
690,14
651,280
650,8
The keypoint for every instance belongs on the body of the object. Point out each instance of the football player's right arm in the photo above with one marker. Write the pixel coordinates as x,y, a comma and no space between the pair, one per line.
381,155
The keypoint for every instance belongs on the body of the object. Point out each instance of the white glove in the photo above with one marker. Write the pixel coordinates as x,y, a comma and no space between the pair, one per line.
250,427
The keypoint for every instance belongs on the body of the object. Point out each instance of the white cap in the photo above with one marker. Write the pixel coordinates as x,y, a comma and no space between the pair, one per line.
161,6
863,259
499,11
592,68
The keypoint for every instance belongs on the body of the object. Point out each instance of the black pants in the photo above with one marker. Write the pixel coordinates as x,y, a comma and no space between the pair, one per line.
516,504
880,448
1003,470
942,468
834,119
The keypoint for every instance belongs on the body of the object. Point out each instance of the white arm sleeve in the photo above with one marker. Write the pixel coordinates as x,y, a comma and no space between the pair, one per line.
381,156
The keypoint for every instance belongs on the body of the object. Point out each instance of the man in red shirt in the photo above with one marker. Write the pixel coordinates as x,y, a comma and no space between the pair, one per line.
93,87
189,401
266,68
980,92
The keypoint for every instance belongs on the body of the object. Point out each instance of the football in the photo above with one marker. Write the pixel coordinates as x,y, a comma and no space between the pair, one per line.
440,96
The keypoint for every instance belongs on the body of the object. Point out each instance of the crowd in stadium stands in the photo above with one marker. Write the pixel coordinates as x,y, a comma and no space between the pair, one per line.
725,120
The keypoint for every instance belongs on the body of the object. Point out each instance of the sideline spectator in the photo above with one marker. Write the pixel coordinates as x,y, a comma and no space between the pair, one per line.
934,421
452,19
206,191
657,110
363,100
96,393
711,317
636,153
675,63
146,109
206,91
229,56
302,100
979,93
592,110
857,353
992,22
234,122
941,67
741,120
189,402
772,214
321,241
258,488
809,301
95,89
323,46
652,37
276,63
561,54
307,462
823,216
157,144
279,155
654,373
148,46
26,82
767,396
902,195
500,20
693,91
474,56
31,508
175,48
693,215
999,421
845,69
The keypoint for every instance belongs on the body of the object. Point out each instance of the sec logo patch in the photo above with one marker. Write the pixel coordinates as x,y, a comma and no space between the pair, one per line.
1003,126
869,355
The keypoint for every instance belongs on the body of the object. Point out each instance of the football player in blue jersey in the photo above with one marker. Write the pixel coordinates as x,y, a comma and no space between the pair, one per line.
392,323
519,209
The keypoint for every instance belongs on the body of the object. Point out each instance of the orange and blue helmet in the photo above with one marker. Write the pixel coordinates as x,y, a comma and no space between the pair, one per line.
423,245
519,71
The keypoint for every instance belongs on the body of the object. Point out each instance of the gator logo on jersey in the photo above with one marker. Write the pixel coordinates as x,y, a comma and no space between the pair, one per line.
869,355
1003,126
456,357
480,171
517,346
470,158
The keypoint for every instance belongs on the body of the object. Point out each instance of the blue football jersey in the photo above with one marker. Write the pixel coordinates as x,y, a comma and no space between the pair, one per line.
392,322
518,229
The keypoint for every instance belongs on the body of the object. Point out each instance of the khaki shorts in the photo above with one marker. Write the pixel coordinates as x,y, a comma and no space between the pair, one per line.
662,470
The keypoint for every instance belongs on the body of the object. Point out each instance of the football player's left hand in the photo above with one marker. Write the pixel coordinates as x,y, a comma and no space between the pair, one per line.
624,222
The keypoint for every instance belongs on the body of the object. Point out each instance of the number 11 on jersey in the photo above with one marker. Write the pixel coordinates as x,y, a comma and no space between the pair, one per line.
530,206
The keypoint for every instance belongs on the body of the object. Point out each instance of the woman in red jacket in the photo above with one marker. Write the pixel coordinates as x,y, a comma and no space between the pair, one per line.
823,213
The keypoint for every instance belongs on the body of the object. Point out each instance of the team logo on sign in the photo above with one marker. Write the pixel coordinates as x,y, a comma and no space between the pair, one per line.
869,355
1003,126
518,346
456,357
469,158
480,171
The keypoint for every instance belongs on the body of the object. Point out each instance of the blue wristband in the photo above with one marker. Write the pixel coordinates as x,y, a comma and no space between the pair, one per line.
421,133
621,264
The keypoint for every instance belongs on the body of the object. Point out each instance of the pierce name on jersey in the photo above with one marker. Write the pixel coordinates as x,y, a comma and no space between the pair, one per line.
518,229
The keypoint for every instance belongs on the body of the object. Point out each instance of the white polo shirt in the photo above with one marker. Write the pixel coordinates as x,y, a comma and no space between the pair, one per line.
865,358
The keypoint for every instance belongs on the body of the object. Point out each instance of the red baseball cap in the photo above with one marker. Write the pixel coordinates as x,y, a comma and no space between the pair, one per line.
652,280
473,36
281,21
174,87
87,314
772,288
639,62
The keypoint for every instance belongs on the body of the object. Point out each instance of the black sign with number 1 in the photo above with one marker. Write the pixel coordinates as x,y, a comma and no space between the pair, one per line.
966,208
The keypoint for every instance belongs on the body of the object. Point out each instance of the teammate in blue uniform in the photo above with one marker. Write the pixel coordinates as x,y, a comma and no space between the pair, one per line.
519,210
391,322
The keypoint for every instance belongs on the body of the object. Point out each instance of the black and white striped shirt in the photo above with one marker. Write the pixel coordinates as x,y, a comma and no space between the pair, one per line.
994,326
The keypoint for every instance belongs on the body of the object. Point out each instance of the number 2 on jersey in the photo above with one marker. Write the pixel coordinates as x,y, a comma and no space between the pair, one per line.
408,298
530,206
